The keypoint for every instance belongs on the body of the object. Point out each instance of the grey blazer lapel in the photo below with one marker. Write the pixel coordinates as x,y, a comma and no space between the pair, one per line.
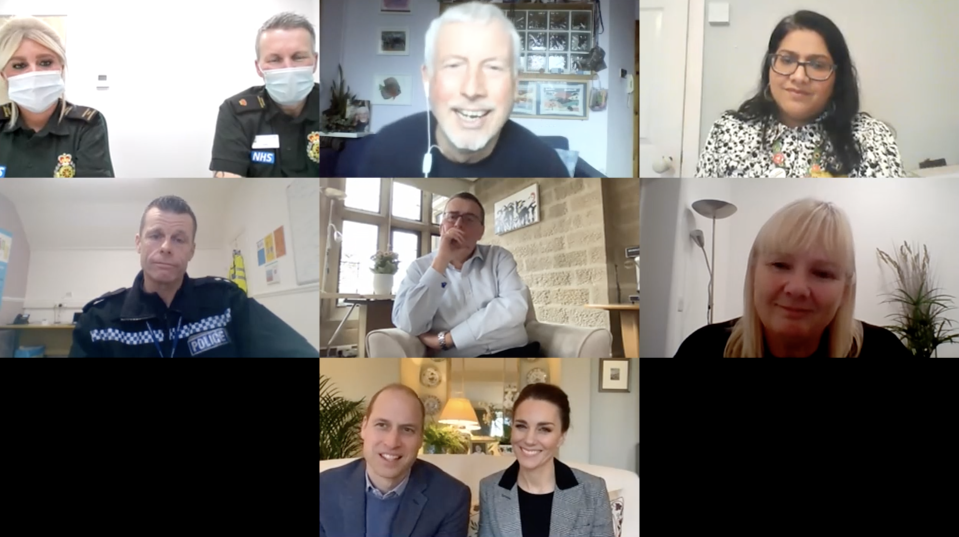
411,506
567,508
506,505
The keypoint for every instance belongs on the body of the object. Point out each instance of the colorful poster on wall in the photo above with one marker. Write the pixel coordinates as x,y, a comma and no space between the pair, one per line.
279,242
273,273
6,245
270,251
260,254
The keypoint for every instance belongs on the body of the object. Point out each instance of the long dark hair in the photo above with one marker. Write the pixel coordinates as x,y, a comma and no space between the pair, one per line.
845,93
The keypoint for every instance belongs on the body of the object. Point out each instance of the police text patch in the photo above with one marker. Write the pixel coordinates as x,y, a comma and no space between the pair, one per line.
263,157
205,341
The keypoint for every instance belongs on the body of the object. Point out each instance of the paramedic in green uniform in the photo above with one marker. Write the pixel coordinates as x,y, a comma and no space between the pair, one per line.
273,130
41,133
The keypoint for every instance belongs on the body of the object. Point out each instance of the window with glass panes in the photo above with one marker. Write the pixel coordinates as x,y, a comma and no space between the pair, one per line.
554,41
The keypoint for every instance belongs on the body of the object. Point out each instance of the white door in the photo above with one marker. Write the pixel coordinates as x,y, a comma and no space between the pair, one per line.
662,74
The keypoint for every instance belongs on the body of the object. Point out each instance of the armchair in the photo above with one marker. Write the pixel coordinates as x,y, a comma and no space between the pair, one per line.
555,340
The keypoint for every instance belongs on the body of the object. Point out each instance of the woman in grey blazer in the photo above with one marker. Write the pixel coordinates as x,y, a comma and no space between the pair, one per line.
538,496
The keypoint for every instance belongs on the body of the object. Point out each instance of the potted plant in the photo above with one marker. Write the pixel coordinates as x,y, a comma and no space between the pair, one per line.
340,421
385,265
334,117
441,439
920,320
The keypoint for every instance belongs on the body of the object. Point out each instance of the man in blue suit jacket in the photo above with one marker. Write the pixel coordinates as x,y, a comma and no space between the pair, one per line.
389,492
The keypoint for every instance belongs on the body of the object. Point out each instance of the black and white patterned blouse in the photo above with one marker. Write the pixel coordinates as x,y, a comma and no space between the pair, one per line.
733,149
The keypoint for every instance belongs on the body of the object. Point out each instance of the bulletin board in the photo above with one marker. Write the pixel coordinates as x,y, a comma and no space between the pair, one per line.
303,197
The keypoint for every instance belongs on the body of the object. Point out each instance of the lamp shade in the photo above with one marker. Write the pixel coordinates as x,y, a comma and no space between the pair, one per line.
459,411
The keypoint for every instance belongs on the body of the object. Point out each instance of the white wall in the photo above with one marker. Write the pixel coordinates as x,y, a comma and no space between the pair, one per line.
170,65
349,38
614,421
883,213
15,284
259,208
356,378
907,55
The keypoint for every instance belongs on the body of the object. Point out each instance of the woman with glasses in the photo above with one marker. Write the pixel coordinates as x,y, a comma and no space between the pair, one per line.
804,120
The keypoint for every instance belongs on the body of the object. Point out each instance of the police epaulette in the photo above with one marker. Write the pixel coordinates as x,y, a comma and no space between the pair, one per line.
103,297
213,279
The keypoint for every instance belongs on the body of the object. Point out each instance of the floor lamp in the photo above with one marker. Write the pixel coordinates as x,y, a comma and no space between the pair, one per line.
713,209
331,231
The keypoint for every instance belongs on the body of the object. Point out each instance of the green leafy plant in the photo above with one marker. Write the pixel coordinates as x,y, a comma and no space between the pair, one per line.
385,262
334,117
920,319
340,421
441,439
507,430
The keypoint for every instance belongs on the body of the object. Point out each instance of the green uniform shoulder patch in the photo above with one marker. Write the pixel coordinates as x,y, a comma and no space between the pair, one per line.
246,102
83,113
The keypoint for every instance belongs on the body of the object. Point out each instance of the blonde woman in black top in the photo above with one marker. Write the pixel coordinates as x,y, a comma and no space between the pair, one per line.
799,295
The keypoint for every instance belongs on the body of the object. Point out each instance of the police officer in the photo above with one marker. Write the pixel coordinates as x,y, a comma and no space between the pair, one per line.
168,314
274,130
42,134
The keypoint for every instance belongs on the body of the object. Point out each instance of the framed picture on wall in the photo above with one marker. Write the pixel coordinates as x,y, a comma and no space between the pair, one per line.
563,100
395,7
614,375
526,95
393,41
518,211
392,90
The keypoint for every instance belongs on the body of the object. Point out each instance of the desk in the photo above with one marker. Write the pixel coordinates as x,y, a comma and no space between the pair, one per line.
57,338
376,312
629,321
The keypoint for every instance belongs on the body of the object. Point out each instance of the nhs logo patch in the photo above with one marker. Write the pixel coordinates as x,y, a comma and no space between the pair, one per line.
205,341
263,157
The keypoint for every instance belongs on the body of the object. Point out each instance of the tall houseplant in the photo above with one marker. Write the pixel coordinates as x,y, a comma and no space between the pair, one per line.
340,421
920,319
334,117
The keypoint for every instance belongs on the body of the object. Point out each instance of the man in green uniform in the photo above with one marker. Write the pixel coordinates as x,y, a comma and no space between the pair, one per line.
273,130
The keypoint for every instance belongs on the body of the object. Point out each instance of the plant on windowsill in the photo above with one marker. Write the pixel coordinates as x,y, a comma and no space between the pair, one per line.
340,421
920,320
385,265
442,439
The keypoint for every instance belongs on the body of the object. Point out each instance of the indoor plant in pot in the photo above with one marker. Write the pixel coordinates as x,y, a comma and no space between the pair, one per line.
920,319
441,439
385,265
340,421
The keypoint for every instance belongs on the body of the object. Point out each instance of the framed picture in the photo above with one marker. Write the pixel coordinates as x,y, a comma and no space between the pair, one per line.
273,273
392,90
358,113
614,375
526,98
395,7
482,446
563,100
393,41
518,211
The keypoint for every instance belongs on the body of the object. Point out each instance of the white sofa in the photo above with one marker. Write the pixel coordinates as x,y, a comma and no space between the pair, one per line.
470,469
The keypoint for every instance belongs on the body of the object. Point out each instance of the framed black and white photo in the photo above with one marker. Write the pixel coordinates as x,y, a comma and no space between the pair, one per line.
614,375
517,211
393,41
395,7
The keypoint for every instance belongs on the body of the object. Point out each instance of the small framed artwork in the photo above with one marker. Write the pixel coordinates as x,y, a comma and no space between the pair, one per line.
273,273
614,375
392,90
525,102
395,7
358,114
563,100
393,41
483,447
518,211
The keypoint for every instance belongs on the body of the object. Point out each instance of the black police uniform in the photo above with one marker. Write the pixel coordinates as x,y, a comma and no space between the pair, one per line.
75,146
252,113
208,318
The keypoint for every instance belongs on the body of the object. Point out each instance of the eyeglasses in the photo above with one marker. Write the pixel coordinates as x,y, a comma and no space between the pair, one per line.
818,70
468,218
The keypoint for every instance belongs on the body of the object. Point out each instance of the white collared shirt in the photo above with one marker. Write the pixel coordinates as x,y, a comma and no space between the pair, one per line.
483,305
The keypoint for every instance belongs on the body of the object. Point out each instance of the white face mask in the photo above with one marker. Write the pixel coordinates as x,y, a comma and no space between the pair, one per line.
36,91
289,86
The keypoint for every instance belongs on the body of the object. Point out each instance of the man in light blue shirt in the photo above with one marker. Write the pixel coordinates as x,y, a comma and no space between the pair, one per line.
465,299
